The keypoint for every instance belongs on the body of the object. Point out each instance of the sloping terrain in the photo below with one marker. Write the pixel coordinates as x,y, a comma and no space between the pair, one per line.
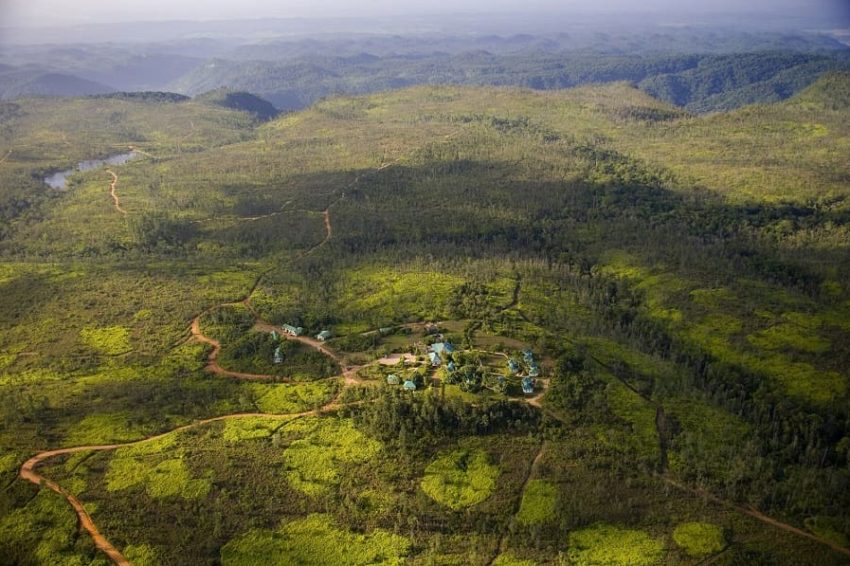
671,289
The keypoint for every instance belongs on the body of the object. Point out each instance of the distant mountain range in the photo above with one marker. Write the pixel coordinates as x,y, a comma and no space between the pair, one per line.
700,70
24,82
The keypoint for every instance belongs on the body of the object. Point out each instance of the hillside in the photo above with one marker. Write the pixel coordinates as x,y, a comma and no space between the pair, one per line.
698,82
18,83
562,327
244,101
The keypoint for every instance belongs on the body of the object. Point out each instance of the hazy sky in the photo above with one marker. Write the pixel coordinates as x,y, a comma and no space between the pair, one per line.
15,13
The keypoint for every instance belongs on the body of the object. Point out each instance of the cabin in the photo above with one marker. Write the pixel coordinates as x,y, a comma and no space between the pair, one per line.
393,379
293,330
442,348
527,385
533,370
275,336
278,356
451,368
528,356
435,359
323,335
409,385
513,366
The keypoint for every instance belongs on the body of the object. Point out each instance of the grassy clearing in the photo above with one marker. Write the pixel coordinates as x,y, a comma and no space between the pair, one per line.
105,428
167,478
460,479
638,413
699,540
538,503
328,447
315,540
111,340
608,545
286,398
250,428
379,296
789,336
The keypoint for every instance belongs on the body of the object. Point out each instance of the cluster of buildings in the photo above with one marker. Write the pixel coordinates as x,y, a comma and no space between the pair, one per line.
408,385
533,370
440,354
294,331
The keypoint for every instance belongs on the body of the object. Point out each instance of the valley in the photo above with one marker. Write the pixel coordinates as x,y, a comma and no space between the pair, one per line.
435,325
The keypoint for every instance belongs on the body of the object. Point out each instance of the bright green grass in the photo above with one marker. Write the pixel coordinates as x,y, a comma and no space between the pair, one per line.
460,479
658,287
45,525
288,398
789,336
699,539
141,555
635,410
109,340
712,298
168,478
798,379
508,559
172,478
104,428
8,462
32,376
250,428
394,295
607,545
538,503
328,447
315,540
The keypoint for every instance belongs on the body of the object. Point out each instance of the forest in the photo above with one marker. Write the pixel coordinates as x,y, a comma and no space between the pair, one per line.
433,325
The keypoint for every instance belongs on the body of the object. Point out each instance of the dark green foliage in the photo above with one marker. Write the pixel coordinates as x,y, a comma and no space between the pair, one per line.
146,96
412,421
722,82
701,83
159,230
244,101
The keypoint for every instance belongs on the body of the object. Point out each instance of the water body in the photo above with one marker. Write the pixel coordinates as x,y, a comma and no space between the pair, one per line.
59,180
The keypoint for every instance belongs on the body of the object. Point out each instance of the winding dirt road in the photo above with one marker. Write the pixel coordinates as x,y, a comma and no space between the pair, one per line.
212,363
112,192
28,470
29,474
755,514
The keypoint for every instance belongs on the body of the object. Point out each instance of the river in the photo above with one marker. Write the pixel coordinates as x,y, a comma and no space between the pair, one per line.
59,180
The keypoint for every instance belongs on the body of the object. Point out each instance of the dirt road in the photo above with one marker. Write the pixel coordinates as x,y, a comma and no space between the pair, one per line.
112,192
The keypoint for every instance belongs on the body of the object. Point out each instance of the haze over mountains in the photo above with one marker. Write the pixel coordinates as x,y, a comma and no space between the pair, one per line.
700,62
